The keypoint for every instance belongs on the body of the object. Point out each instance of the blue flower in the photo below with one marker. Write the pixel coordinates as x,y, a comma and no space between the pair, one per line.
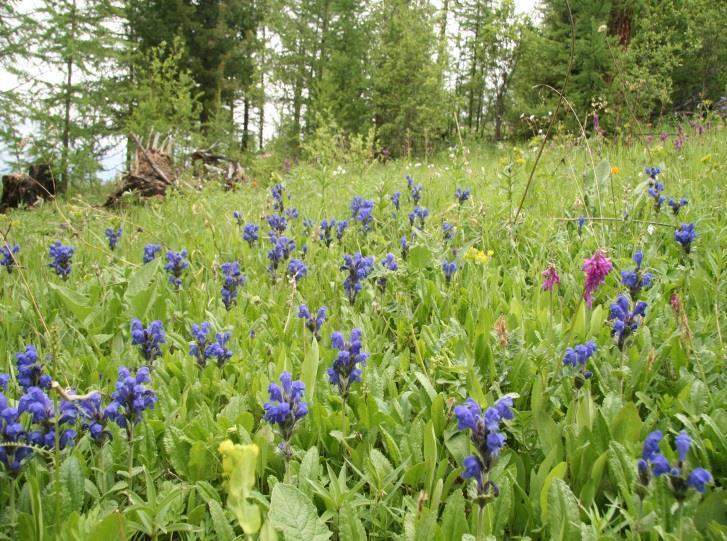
447,231
698,478
30,369
292,213
277,193
577,357
12,431
150,252
395,197
250,233
389,263
449,268
358,267
113,236
340,229
313,324
326,234
655,192
307,225
685,235
660,465
233,280
485,432
203,350
149,340
286,406
421,213
636,280
461,195
676,206
176,265
581,221
683,442
297,269
7,256
281,250
277,223
345,370
652,172
473,470
625,322
238,217
92,416
62,256
41,411
404,248
415,190
130,399
362,211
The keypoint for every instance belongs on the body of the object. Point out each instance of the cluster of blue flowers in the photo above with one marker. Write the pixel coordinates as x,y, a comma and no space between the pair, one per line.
655,193
685,235
150,252
285,408
149,340
652,461
420,213
113,237
635,280
449,268
625,321
389,263
345,370
396,200
30,369
11,431
313,324
282,248
415,190
130,399
277,193
277,223
404,248
326,234
577,357
61,259
92,416
461,195
297,269
250,233
485,432
676,206
358,268
233,280
362,211
7,256
292,213
202,350
40,408
176,265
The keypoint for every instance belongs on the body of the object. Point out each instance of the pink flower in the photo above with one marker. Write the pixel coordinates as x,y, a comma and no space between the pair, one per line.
596,269
551,278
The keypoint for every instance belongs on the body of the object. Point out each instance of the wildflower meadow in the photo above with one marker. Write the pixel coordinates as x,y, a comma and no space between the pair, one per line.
405,350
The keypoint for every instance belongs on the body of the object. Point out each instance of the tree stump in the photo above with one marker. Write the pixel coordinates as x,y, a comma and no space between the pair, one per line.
151,177
27,190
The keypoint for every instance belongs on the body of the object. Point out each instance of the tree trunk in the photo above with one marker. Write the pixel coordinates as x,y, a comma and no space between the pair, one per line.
245,122
66,128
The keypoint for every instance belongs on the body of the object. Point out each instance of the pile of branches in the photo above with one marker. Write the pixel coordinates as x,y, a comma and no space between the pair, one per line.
21,190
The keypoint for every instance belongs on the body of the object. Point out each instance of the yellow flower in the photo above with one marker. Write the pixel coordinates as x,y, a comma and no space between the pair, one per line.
706,158
615,170
478,256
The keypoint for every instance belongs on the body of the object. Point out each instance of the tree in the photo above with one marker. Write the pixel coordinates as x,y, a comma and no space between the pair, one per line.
408,98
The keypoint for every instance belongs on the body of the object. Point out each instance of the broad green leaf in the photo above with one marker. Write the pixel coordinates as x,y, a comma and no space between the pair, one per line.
77,303
73,481
556,473
419,257
562,514
223,530
293,513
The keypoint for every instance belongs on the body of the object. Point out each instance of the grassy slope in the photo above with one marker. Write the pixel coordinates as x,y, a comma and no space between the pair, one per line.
432,344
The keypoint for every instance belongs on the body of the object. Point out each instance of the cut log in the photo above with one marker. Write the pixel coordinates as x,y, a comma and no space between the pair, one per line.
27,190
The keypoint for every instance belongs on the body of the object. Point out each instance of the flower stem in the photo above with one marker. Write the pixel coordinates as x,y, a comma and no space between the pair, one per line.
130,438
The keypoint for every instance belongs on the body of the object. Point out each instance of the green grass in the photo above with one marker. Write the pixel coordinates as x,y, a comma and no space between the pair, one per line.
390,467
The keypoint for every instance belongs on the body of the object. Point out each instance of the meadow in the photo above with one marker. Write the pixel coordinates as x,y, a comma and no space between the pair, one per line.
479,371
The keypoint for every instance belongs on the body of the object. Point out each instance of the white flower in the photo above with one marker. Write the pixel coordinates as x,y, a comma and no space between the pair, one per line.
650,230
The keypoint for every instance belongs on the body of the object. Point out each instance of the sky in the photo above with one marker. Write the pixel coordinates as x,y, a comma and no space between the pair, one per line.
113,163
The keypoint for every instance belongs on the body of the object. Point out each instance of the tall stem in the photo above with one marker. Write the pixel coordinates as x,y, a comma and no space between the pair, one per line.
130,438
481,523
